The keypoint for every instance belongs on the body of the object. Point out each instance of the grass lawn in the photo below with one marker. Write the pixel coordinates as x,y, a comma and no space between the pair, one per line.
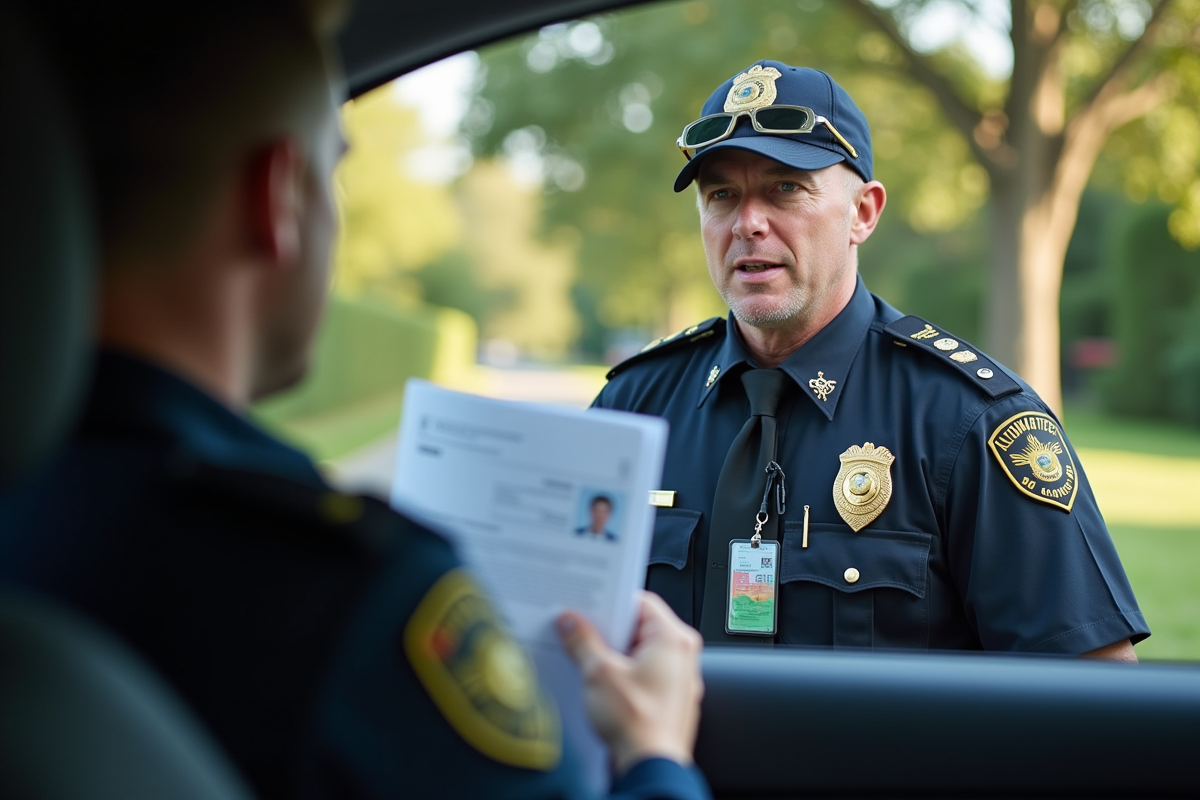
343,430
1162,564
1146,476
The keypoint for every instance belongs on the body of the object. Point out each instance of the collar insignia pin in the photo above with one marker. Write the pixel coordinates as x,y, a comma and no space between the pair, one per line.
863,486
821,386
712,377
754,88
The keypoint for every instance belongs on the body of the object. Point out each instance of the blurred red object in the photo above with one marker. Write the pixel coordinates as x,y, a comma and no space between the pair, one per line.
1093,353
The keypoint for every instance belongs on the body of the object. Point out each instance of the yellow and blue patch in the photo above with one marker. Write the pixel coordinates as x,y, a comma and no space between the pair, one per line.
480,679
1034,455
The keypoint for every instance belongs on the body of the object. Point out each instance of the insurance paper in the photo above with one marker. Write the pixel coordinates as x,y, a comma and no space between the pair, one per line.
549,507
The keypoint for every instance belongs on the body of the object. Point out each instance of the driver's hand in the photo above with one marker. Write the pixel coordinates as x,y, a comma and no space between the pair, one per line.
645,704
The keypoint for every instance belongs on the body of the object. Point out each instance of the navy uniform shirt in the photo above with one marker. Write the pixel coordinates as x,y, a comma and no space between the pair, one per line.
989,539
334,648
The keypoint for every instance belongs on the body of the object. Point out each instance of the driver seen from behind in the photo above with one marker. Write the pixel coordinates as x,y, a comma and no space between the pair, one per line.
334,648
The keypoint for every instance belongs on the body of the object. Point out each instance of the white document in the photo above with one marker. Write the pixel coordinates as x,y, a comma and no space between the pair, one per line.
549,507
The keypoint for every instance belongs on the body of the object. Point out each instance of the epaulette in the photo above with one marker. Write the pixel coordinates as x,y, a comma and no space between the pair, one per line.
977,367
673,342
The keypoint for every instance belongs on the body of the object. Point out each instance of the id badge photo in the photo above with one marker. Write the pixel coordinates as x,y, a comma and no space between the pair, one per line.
751,607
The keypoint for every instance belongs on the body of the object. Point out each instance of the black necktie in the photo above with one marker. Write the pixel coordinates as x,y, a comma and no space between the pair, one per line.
738,498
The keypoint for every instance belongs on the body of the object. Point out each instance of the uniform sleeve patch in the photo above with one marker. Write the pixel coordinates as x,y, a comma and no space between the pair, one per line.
1034,455
480,679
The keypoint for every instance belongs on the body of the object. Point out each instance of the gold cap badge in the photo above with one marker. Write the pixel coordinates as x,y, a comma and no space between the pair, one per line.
863,486
754,88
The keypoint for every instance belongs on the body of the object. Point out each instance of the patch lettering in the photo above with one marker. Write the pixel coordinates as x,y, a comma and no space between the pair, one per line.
479,677
1034,455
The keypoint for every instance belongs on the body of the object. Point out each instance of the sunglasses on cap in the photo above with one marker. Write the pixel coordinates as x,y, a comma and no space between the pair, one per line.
783,120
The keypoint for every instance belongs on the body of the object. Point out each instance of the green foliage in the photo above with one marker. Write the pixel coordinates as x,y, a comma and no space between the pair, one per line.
1096,430
936,277
598,103
1159,155
1155,305
602,101
451,281
1085,306
364,354
392,224
520,282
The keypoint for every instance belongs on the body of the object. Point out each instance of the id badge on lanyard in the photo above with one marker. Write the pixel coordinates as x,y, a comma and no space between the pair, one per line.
751,607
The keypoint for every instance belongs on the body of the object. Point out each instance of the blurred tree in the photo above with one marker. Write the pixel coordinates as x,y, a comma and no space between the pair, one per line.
615,90
1082,69
1156,313
526,281
392,224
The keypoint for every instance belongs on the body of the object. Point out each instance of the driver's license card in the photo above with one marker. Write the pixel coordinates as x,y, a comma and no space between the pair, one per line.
752,571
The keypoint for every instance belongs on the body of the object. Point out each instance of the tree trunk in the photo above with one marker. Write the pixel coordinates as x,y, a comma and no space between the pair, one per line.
1002,311
1039,164
1029,245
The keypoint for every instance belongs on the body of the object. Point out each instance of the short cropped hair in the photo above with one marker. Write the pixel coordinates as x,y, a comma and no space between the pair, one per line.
168,94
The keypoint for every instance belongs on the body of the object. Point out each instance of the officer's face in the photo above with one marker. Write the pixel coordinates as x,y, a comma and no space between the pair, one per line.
777,239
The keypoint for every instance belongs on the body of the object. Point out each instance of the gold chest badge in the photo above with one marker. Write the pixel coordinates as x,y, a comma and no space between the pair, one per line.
754,88
863,486
1034,456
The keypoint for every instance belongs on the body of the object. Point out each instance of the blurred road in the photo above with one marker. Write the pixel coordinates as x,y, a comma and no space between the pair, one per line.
370,469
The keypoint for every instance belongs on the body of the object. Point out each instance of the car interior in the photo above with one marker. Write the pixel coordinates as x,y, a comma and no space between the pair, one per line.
80,715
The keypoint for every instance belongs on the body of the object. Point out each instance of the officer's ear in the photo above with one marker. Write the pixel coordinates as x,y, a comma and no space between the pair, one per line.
276,201
866,206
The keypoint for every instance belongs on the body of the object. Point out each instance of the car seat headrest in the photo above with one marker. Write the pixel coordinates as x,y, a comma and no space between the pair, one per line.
47,253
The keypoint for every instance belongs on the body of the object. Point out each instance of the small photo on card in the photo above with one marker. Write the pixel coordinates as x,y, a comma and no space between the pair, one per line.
598,514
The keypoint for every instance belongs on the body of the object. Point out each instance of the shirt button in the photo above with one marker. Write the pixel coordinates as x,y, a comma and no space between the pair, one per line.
851,575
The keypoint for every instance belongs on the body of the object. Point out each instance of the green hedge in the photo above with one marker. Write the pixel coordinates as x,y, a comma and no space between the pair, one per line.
364,354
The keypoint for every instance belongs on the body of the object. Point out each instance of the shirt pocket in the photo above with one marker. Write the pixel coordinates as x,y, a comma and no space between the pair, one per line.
670,552
879,580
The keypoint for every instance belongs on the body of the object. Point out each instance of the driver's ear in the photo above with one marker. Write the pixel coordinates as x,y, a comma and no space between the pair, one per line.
276,201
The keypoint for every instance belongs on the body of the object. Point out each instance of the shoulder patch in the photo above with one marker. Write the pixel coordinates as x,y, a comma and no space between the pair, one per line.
695,333
977,367
1034,456
479,678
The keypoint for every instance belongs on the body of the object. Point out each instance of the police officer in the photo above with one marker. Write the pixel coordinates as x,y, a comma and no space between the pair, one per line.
902,489
333,647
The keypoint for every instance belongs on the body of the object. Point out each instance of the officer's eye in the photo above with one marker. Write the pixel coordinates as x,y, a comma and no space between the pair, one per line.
789,186
719,194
